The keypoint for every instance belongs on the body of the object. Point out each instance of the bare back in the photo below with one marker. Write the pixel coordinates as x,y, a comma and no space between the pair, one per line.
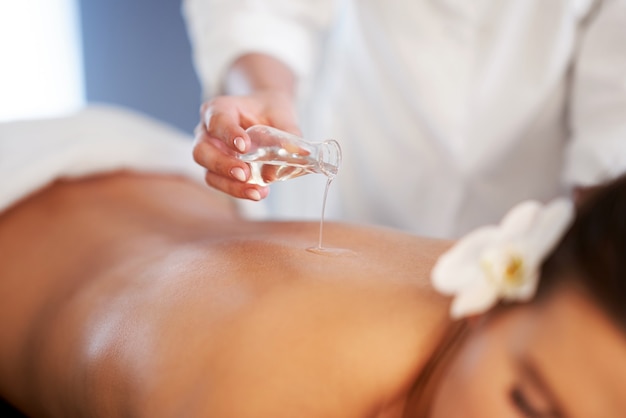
146,296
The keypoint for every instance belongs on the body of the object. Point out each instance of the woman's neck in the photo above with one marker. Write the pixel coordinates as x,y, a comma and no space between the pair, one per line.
424,389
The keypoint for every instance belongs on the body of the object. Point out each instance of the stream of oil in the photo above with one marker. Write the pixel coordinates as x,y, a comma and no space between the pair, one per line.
320,249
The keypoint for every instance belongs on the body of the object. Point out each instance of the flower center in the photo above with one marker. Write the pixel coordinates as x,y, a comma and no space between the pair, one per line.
504,269
514,271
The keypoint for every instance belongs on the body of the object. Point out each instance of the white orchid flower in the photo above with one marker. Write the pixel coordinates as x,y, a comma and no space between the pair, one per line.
501,262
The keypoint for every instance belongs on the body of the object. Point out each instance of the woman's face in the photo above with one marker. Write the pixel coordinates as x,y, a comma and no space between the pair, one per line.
561,358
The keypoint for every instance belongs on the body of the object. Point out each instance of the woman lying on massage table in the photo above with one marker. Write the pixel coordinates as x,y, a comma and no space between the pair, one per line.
145,295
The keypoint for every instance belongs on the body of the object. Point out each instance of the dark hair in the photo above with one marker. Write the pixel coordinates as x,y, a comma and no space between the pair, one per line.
593,251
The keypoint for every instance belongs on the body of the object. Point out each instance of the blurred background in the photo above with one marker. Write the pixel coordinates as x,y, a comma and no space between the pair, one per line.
58,55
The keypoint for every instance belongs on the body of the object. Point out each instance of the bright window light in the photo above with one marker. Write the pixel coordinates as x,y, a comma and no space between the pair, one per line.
40,59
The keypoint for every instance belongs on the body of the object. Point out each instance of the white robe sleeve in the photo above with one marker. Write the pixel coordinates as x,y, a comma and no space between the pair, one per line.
597,151
222,30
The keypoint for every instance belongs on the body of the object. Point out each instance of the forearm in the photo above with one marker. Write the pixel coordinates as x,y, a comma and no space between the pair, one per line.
254,72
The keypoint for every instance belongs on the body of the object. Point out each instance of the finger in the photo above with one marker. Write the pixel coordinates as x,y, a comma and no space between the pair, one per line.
201,135
222,121
236,188
199,130
272,173
207,153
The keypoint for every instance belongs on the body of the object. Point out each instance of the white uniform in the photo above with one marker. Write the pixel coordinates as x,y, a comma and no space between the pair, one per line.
449,111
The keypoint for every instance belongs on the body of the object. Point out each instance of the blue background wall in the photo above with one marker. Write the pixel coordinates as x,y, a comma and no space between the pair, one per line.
137,54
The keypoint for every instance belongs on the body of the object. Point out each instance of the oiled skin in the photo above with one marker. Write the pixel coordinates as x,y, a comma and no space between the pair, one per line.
127,295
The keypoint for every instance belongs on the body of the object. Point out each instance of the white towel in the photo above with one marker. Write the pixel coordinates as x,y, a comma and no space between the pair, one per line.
95,140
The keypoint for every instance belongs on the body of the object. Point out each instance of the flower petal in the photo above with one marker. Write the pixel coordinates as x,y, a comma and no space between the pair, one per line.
460,264
455,283
475,299
519,220
527,291
549,229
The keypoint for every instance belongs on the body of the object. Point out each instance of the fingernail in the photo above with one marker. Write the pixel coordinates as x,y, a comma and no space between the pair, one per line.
238,173
253,194
240,144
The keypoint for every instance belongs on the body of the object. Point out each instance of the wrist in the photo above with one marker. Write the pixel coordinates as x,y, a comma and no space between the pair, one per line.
259,74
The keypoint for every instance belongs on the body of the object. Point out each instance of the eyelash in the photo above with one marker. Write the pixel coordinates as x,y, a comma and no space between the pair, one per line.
519,400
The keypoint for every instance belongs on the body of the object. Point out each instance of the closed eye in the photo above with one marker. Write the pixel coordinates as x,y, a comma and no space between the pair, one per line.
531,395
521,402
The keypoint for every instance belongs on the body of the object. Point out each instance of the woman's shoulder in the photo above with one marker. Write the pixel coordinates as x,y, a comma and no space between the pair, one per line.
331,334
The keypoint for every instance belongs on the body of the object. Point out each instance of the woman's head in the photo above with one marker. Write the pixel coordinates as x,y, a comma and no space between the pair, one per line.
564,354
